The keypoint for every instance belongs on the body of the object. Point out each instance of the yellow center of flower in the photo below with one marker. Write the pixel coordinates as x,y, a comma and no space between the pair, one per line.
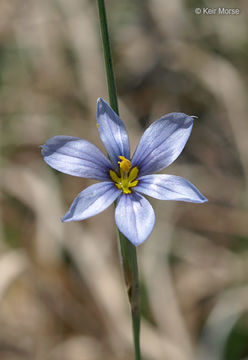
126,181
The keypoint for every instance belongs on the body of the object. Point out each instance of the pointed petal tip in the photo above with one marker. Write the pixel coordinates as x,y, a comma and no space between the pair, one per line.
67,217
139,242
101,108
136,242
202,199
99,100
64,219
101,103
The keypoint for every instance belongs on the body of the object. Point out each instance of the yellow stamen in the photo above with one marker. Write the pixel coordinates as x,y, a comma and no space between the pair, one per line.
133,173
133,184
114,176
126,181
125,164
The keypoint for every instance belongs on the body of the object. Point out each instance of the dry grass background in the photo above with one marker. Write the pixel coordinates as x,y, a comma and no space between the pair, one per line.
61,292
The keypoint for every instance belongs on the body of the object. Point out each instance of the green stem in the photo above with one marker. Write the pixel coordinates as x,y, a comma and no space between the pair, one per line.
127,249
107,57
131,276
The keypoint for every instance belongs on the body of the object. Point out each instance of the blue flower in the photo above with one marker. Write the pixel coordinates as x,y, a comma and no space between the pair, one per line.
122,178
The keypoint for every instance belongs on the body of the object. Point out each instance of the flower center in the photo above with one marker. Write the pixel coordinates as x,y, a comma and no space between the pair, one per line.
126,181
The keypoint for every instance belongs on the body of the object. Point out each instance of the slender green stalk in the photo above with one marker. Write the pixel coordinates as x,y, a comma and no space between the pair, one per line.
107,56
131,276
127,249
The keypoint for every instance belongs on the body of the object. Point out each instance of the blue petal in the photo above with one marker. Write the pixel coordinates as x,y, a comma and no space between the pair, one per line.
162,142
169,187
134,217
112,132
76,157
92,201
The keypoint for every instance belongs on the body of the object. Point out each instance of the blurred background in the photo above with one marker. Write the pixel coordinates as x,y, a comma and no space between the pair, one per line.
61,291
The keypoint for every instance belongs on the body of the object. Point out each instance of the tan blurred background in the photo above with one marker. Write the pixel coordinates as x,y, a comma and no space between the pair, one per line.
61,291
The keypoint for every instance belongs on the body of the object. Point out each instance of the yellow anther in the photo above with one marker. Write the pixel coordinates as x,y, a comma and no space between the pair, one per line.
133,184
114,176
97,125
133,173
125,164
